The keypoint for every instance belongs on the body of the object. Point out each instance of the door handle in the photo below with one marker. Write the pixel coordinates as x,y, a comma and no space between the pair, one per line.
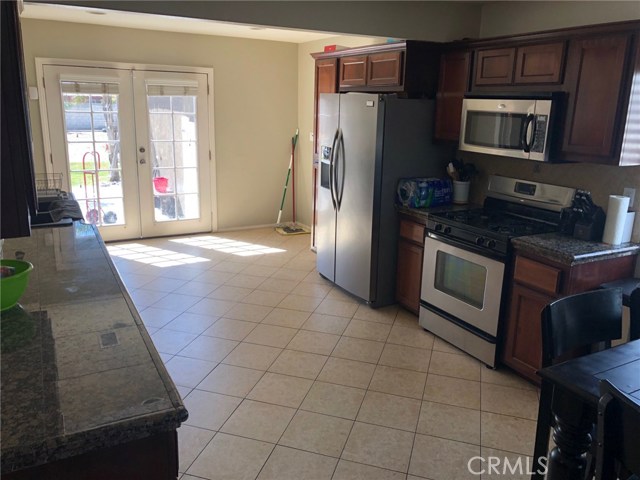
527,140
343,167
332,169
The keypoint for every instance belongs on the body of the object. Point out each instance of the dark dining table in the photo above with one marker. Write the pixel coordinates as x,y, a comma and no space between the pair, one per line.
574,387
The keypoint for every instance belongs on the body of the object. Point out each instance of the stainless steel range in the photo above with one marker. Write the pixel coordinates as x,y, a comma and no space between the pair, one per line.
466,255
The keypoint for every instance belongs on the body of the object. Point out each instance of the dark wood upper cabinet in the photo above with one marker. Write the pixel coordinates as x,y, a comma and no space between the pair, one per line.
326,82
16,158
539,64
595,83
408,68
385,68
495,66
353,71
453,82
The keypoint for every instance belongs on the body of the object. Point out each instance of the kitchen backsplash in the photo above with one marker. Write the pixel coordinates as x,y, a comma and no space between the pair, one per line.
600,180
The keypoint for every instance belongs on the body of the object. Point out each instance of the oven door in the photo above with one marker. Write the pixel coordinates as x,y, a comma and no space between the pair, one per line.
463,284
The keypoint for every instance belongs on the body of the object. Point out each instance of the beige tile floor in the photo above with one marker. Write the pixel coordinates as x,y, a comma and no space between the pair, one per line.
287,377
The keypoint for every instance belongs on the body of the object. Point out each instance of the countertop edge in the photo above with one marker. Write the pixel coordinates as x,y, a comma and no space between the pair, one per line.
533,244
172,391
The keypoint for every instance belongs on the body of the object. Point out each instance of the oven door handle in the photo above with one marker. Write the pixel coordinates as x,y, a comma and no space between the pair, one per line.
465,246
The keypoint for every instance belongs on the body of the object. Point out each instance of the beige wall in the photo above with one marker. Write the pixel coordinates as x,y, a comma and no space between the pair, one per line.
255,85
507,18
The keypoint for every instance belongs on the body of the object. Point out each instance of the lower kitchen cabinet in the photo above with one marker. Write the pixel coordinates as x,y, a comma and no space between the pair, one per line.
409,267
536,282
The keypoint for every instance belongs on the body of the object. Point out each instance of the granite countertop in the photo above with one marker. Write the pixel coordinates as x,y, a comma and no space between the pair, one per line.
571,251
78,370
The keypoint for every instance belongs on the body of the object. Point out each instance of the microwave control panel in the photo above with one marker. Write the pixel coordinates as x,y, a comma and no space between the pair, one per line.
540,133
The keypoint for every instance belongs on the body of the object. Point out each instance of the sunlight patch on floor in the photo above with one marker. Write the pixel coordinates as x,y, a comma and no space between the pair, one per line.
157,257
227,245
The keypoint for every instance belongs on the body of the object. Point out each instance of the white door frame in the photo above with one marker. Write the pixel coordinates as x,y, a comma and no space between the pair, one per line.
46,135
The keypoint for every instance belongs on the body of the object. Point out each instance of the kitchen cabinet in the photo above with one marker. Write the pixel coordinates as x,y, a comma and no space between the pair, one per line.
378,69
596,83
494,67
453,83
538,281
409,266
353,71
521,65
385,68
325,82
409,68
539,64
16,169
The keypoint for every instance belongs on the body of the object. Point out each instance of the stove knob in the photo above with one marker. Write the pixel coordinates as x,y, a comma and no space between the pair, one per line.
491,243
438,227
479,240
446,230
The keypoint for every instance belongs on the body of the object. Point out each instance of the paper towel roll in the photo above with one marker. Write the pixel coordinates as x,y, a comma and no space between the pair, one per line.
616,218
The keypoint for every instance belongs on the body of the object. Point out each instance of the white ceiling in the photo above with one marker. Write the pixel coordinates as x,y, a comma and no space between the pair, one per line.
66,13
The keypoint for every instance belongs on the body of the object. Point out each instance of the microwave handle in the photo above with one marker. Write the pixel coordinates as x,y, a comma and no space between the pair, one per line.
528,142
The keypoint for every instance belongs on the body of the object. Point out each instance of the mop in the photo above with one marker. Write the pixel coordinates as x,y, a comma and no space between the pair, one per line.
291,228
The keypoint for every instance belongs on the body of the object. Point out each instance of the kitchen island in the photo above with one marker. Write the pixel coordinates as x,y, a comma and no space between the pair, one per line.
84,391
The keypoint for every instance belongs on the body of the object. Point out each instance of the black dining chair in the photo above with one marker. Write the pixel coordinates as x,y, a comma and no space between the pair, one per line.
618,452
634,315
573,326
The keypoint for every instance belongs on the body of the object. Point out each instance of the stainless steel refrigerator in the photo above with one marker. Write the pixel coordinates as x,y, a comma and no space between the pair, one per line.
367,142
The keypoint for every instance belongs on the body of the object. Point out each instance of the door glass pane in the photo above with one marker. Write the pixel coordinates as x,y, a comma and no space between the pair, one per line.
461,279
495,130
174,147
93,150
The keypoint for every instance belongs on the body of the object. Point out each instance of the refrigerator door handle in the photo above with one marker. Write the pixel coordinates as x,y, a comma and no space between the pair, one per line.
332,170
343,166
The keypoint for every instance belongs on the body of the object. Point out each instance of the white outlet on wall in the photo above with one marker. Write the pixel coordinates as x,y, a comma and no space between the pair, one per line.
631,193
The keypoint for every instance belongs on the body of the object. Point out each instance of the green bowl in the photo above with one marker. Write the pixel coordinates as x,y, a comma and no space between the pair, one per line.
12,288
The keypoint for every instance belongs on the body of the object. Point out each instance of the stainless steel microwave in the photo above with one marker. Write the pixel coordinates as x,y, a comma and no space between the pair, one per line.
511,127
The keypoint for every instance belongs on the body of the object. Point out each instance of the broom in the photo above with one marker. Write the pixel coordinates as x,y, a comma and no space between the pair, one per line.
291,229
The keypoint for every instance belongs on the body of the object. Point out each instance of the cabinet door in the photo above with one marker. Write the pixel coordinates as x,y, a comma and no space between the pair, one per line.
326,82
539,64
409,275
453,83
595,77
495,67
385,69
353,71
523,343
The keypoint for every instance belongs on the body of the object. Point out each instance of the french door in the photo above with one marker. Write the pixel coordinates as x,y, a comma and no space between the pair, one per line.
132,146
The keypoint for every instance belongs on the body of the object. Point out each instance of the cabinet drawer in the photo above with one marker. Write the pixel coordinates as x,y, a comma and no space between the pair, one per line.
537,275
412,231
353,71
385,69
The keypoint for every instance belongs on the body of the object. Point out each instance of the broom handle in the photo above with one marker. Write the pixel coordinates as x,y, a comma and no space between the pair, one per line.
294,142
293,178
284,191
